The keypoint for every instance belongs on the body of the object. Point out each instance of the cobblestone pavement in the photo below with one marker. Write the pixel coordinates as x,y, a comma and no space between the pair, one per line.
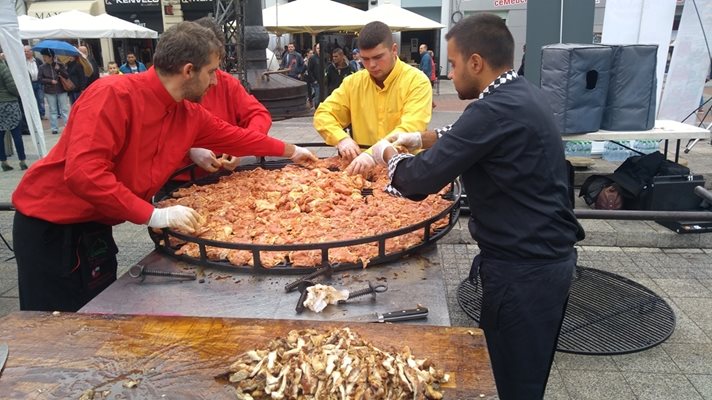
677,267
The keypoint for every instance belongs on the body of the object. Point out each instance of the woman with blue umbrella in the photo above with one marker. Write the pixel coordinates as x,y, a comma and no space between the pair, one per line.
57,98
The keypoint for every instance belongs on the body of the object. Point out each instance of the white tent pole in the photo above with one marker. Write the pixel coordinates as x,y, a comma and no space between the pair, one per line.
15,57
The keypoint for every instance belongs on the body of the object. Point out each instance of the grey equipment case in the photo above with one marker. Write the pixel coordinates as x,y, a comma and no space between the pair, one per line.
632,89
575,79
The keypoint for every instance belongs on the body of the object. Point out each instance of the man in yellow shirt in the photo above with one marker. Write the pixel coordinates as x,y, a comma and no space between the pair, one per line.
387,96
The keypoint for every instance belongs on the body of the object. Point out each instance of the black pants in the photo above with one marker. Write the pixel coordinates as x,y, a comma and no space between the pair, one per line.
523,307
62,267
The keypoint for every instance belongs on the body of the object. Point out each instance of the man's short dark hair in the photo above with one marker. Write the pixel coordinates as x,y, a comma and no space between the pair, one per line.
373,34
337,51
208,22
183,43
486,35
130,53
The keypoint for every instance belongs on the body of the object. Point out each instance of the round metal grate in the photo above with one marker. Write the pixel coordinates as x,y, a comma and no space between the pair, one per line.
606,314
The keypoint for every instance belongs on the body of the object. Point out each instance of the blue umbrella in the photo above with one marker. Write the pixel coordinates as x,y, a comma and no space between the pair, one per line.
58,47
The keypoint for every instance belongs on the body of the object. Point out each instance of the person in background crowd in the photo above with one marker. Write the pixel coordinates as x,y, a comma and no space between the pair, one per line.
129,135
355,62
434,74
520,71
10,116
315,72
132,66
229,101
112,68
86,51
33,66
508,150
387,96
426,62
337,70
308,78
76,75
56,96
292,61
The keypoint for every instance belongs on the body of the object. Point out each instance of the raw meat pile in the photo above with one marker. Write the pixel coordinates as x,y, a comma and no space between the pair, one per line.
301,205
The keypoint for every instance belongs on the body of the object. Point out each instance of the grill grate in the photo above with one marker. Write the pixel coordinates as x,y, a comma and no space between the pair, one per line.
606,314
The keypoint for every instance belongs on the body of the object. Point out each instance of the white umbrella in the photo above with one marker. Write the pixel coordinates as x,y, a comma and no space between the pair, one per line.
312,16
399,19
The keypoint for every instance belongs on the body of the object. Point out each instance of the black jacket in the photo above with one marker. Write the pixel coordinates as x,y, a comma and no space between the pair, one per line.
509,152
49,72
76,74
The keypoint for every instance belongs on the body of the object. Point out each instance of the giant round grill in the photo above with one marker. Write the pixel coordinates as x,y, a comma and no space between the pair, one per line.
170,241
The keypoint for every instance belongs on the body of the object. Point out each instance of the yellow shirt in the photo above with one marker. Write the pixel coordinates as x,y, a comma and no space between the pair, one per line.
403,105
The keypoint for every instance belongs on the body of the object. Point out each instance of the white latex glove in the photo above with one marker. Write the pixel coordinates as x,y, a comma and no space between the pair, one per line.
348,148
301,155
175,217
411,141
378,149
361,164
205,159
229,162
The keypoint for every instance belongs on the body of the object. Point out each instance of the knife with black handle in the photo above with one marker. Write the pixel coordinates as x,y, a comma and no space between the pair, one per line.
393,316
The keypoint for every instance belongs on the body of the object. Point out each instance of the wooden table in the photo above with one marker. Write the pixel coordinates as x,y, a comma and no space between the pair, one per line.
62,356
418,279
663,130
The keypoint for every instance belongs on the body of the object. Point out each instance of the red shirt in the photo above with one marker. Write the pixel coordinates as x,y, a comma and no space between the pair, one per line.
229,101
125,138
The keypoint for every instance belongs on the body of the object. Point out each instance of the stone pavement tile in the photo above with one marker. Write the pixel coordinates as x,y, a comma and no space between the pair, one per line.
576,362
707,283
7,285
647,386
706,241
703,384
598,233
653,360
635,250
683,287
698,309
686,331
8,305
601,249
596,385
14,292
695,359
555,388
675,240
683,251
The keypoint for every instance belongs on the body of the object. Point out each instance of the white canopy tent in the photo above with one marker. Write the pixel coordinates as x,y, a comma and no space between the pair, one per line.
312,16
399,19
15,57
78,24
126,29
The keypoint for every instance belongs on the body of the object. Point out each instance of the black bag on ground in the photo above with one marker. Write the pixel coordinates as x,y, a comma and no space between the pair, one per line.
635,176
592,187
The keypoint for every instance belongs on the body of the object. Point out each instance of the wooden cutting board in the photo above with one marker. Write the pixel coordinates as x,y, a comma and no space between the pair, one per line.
61,356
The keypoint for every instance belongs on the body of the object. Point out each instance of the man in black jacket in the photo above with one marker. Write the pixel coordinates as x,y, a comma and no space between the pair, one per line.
337,70
508,150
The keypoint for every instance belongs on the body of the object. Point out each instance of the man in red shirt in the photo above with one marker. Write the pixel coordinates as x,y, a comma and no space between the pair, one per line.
229,101
127,135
